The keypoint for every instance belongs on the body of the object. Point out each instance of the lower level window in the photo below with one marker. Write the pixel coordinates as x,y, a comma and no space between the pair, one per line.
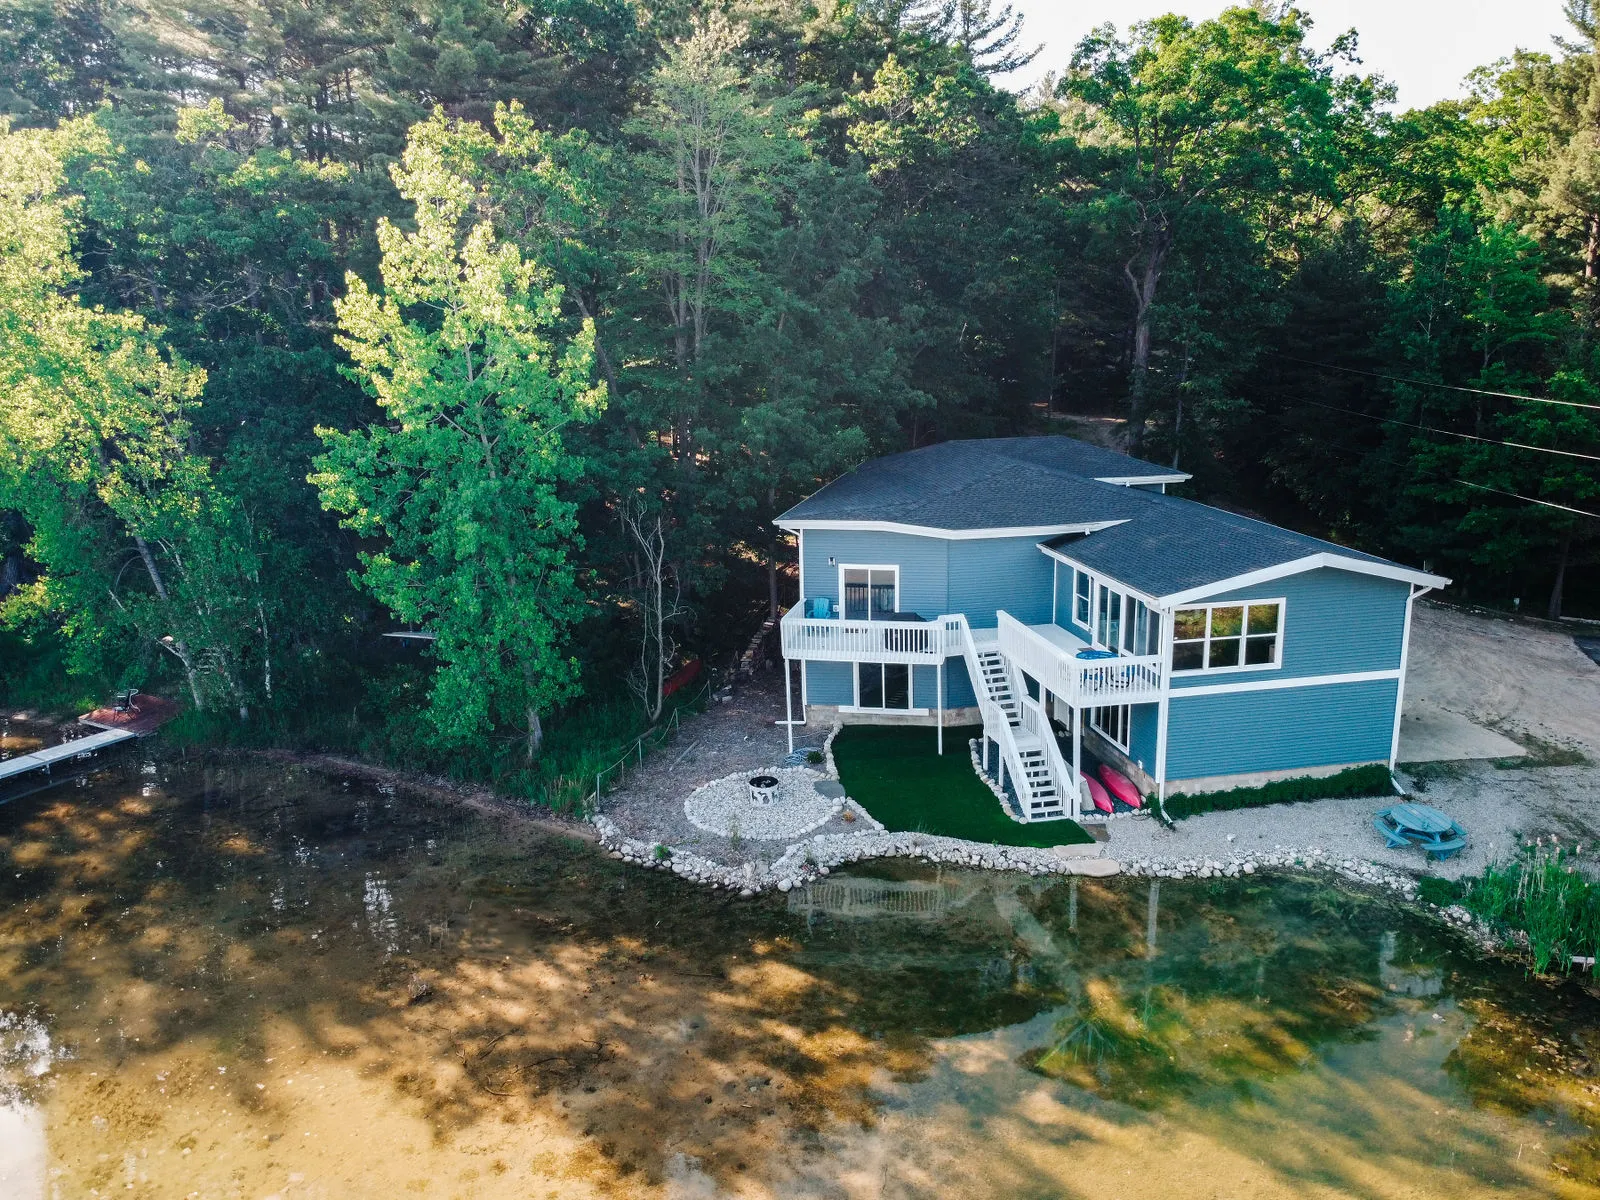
1112,723
883,685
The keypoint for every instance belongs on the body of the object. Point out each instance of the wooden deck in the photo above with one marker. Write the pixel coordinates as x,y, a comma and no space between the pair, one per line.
147,715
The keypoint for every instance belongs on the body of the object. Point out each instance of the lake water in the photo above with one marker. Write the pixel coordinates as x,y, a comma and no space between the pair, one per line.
253,980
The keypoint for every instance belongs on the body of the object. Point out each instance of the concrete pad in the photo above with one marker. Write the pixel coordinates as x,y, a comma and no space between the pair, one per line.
1098,868
1429,733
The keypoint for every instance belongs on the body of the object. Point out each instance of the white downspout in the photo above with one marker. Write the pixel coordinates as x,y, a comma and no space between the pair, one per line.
1164,709
788,701
1400,684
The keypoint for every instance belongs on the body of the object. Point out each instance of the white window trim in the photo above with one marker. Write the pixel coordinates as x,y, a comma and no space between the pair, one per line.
843,567
1311,562
855,691
1243,668
1094,723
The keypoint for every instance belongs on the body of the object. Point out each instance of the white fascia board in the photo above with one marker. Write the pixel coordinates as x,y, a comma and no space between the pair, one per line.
953,535
1130,480
1310,562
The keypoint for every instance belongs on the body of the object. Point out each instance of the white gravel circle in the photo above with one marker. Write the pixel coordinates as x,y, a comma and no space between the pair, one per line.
723,806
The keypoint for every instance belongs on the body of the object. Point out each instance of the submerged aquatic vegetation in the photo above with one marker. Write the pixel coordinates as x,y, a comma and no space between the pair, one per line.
1542,897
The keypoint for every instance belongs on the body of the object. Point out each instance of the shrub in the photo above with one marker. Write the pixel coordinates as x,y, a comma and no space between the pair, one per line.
1443,892
1542,895
814,757
1370,780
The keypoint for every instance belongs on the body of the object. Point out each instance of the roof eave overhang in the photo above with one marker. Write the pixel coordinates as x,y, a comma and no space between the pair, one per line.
956,535
1310,562
1131,480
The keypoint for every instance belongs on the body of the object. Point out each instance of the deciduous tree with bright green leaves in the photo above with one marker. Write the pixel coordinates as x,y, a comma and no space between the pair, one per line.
137,543
462,487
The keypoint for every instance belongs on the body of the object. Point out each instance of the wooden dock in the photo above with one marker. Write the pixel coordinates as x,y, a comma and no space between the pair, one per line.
112,726
43,760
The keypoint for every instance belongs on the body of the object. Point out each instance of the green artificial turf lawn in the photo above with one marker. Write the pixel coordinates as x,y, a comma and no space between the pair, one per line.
894,773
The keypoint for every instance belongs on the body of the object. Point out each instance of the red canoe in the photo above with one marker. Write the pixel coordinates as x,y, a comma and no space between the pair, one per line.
1102,801
1120,786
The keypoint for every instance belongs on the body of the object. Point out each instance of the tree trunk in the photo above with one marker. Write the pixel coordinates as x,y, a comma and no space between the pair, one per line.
1144,297
178,646
772,586
535,734
1554,609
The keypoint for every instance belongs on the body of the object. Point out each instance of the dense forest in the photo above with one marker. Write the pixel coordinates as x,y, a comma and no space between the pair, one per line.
519,322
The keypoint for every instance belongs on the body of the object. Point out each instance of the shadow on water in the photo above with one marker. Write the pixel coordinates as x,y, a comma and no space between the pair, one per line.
261,980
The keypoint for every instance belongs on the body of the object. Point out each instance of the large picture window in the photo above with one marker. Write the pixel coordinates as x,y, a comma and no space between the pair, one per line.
883,685
870,593
1228,637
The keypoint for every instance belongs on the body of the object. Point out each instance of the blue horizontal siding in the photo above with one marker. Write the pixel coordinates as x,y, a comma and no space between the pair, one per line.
958,691
989,574
922,562
1334,623
1144,721
1280,729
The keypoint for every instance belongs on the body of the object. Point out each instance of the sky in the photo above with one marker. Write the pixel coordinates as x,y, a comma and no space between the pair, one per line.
1424,47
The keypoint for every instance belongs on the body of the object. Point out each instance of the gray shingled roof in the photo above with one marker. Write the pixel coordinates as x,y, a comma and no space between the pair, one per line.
1162,544
994,483
1173,544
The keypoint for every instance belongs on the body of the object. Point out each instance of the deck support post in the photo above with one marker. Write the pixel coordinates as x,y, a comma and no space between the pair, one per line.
788,702
1077,760
938,687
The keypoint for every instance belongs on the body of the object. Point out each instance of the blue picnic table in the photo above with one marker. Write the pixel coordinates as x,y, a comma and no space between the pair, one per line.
1405,825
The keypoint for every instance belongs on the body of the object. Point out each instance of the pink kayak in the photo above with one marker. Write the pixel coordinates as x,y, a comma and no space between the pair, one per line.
1120,786
1102,801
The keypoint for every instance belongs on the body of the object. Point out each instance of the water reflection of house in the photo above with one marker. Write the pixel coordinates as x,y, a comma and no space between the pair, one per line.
1052,590
1409,979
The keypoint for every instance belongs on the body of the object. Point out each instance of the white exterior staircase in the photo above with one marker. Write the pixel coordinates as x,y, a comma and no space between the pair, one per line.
1028,753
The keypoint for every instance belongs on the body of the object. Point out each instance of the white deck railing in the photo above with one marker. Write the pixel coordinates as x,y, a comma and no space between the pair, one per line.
1080,681
833,640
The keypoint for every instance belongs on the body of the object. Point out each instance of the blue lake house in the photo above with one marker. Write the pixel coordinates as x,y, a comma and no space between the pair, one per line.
1053,591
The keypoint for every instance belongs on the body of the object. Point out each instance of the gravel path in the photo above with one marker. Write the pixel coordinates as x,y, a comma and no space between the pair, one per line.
735,737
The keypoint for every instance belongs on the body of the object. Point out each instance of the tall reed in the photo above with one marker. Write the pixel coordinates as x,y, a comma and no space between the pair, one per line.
1545,895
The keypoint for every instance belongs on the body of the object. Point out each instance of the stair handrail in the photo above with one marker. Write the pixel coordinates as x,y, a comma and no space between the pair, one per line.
1066,783
995,722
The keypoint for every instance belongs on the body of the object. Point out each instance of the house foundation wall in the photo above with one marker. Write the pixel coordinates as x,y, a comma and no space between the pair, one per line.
826,714
1223,783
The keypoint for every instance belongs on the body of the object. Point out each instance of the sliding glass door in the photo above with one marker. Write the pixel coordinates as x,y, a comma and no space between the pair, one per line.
870,593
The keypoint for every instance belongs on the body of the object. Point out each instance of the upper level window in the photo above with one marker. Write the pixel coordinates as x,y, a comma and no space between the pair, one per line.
1108,618
870,593
1218,637
1080,597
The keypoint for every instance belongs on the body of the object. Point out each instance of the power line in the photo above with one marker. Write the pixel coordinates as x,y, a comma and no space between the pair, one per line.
1471,437
1582,512
1450,387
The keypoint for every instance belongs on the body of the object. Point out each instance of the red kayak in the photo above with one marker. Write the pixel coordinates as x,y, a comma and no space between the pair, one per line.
1120,786
1102,801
